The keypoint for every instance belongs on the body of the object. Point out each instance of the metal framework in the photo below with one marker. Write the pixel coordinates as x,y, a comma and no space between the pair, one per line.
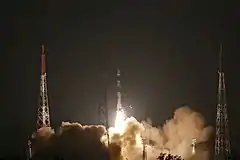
222,139
103,118
43,117
193,145
29,150
103,111
144,151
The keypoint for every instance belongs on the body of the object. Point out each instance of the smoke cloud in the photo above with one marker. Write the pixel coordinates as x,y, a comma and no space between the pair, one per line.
74,141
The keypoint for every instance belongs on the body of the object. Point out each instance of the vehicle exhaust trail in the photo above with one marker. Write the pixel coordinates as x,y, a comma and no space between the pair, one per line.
90,141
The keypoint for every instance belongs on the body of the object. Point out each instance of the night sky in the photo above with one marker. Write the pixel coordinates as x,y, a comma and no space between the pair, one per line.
167,52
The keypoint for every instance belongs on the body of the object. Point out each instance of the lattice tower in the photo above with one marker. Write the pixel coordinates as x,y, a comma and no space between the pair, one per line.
222,139
144,151
43,117
103,109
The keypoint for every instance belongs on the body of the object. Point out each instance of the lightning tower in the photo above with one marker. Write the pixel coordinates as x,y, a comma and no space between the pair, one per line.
222,139
43,117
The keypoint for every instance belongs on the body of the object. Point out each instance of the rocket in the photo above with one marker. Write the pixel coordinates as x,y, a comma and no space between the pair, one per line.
119,94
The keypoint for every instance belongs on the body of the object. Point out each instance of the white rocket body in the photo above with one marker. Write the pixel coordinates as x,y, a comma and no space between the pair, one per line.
119,95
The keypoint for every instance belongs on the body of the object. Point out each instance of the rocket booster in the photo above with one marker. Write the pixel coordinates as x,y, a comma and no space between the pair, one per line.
118,80
119,95
119,104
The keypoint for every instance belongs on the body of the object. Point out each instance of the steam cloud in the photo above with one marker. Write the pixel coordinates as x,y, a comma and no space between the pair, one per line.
74,141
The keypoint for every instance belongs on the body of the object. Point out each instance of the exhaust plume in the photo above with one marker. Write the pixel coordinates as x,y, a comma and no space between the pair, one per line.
72,140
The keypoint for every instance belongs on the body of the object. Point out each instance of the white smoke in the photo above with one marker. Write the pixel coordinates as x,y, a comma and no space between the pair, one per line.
174,137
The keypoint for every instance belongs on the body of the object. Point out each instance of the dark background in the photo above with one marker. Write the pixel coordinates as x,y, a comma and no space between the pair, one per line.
167,52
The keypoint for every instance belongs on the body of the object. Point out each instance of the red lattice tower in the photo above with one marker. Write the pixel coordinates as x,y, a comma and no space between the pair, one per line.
43,117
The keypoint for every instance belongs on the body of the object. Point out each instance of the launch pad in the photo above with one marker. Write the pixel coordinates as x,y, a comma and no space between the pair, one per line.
129,140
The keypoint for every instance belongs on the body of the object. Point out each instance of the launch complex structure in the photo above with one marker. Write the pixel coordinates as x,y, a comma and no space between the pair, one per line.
43,115
222,138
